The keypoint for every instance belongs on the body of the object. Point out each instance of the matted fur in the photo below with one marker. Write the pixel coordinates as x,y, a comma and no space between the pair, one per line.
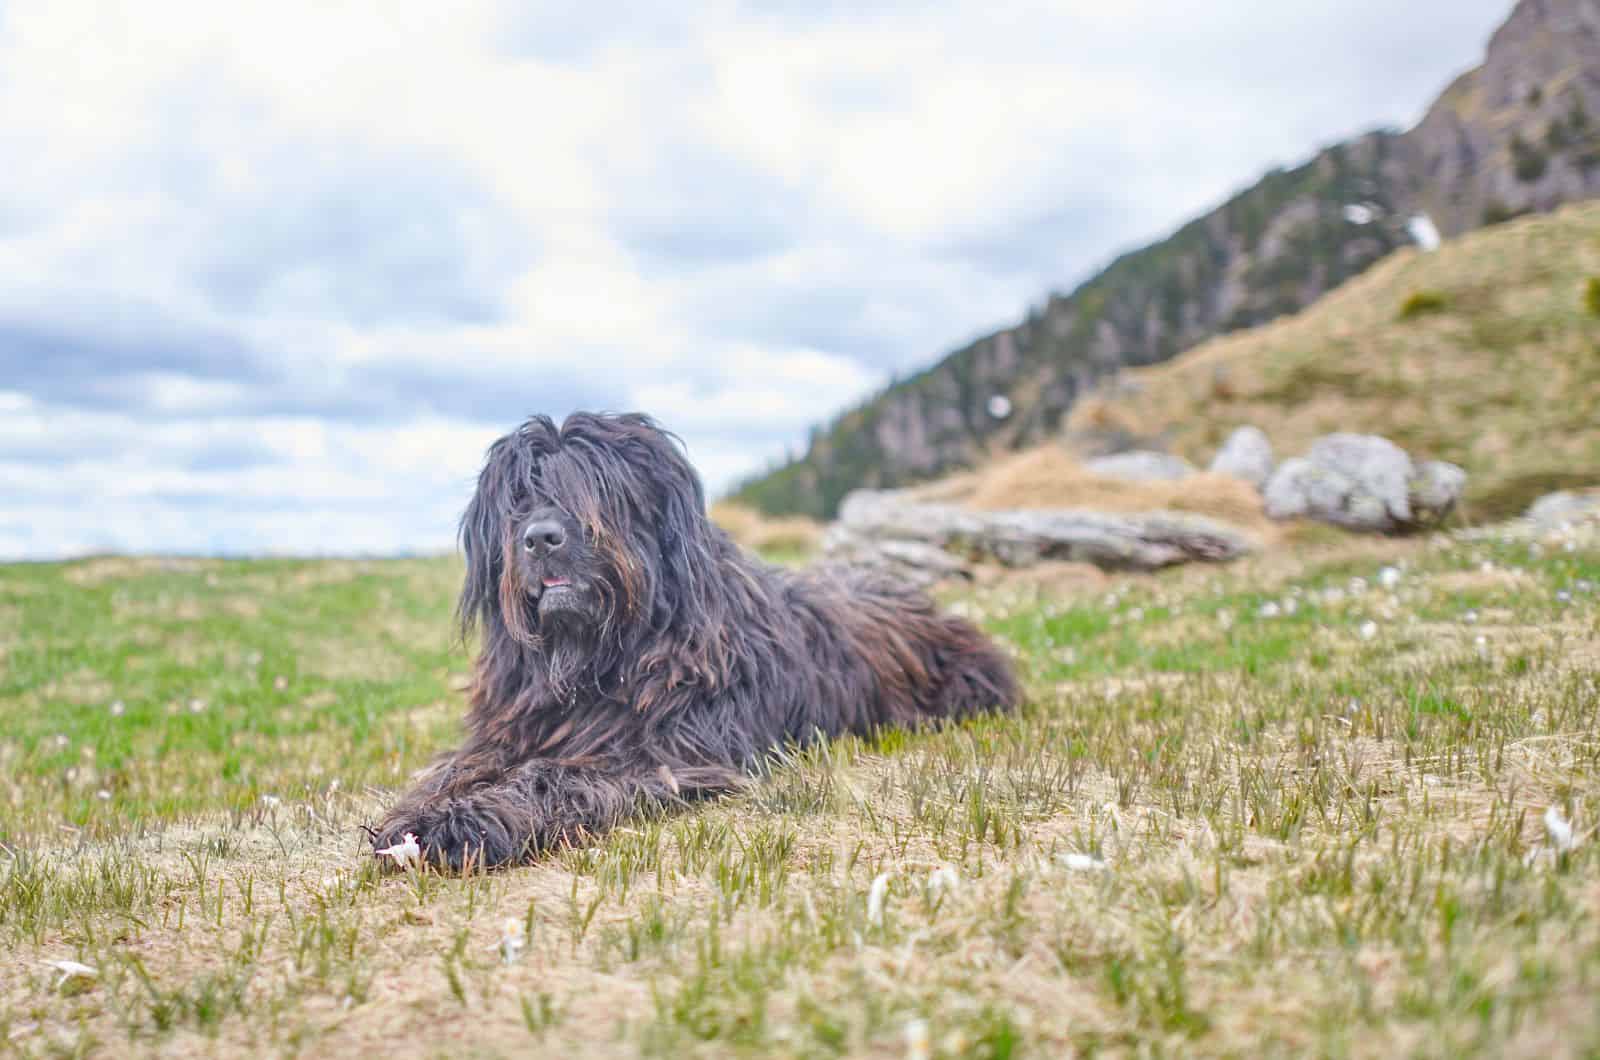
663,663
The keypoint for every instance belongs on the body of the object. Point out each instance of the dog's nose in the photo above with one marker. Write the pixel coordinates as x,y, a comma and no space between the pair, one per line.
543,536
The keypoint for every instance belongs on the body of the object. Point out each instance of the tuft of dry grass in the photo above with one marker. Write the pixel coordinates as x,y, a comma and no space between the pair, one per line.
1048,477
784,537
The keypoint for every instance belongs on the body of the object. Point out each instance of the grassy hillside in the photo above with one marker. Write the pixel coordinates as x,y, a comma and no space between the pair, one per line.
1512,136
1486,353
1288,806
1268,250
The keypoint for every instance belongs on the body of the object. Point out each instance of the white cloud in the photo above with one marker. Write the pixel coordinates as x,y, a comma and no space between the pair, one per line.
312,257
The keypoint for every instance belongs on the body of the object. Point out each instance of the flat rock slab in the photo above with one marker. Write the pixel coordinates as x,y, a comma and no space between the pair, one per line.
1141,465
882,528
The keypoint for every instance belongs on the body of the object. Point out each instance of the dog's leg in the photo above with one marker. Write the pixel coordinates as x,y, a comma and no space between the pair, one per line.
448,778
539,805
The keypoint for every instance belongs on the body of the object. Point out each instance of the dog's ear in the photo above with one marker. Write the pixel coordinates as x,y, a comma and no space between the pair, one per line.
480,536
683,532
686,595
507,471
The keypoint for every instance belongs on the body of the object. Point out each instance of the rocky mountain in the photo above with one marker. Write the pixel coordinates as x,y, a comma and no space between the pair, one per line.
1518,134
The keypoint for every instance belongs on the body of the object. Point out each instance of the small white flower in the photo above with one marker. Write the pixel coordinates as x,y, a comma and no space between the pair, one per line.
1470,618
103,795
918,1046
943,880
197,706
61,739
1563,596
512,940
1559,828
406,852
875,896
1271,609
1368,630
280,683
1358,586
271,802
1081,862
117,708
1225,619
1389,577
1290,606
1487,567
1481,642
71,970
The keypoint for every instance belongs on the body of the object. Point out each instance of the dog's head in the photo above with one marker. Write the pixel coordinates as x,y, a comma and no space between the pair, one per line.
580,535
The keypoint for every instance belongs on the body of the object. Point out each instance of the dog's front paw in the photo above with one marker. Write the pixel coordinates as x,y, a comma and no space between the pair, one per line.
453,836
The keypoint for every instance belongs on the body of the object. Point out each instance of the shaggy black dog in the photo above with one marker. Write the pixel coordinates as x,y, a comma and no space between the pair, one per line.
633,656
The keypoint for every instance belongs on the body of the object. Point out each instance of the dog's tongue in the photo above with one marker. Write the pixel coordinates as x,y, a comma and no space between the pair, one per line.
551,583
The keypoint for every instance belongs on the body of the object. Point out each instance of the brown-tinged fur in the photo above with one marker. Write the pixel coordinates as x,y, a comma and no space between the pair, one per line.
645,659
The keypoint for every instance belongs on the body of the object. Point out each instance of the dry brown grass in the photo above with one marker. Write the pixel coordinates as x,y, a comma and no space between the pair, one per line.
783,536
1048,477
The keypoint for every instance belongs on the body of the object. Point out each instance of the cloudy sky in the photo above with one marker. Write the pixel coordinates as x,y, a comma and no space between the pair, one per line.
273,275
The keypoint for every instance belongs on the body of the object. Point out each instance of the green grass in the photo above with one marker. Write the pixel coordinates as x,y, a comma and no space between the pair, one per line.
1421,303
1279,808
136,692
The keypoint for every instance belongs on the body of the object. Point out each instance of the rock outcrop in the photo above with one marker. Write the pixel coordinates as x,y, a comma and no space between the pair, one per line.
1555,510
1363,482
1520,133
1247,454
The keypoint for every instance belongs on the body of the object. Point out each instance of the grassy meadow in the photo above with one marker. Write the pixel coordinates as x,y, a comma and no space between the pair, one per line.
1295,805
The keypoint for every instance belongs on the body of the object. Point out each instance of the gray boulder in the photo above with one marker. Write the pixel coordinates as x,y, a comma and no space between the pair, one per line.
1435,489
1247,454
1555,510
1141,465
1363,482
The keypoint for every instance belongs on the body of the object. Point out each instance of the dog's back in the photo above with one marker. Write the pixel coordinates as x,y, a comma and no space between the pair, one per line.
907,662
